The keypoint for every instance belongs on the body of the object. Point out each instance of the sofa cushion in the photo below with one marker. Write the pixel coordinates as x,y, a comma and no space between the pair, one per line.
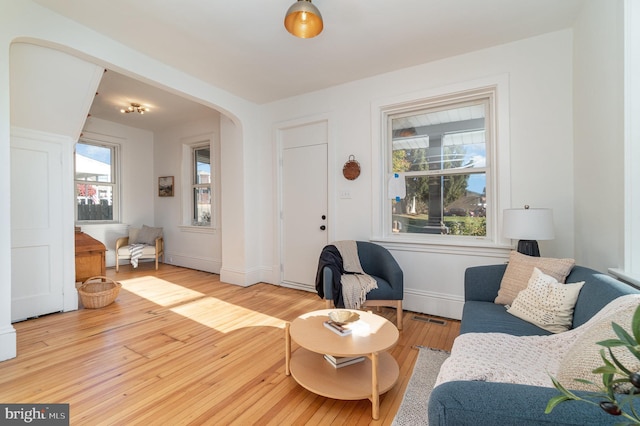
584,354
519,270
487,317
546,303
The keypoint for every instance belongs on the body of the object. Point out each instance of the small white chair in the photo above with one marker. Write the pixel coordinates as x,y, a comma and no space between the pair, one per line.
152,239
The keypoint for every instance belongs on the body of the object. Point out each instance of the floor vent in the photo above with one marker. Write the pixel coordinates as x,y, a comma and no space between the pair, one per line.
431,320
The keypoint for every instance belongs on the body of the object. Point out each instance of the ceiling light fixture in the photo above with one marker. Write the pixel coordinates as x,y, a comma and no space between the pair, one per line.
135,108
303,19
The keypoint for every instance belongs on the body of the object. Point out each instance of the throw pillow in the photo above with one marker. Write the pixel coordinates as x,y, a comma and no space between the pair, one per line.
546,302
148,235
133,235
584,354
520,268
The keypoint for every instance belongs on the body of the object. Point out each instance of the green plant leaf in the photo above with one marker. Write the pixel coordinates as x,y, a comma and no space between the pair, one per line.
605,369
606,361
585,381
553,402
635,324
619,364
611,343
634,352
623,335
561,388
606,379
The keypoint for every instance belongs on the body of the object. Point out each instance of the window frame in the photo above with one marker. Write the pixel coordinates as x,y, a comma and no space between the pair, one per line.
189,145
498,186
434,108
629,269
198,186
114,184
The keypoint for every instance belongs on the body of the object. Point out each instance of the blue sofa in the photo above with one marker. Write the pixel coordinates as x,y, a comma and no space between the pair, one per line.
485,403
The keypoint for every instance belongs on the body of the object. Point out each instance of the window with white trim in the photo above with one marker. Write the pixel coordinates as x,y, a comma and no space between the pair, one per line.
439,168
201,185
96,182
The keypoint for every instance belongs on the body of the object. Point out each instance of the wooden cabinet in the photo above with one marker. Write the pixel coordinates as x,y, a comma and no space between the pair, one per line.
90,257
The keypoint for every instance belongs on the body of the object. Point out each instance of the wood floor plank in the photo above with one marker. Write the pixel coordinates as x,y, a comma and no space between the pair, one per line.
180,347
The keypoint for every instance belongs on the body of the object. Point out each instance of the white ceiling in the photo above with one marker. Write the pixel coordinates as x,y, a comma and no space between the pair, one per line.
117,91
242,46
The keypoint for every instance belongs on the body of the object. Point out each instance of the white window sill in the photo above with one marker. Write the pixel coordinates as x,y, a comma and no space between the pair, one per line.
625,277
197,229
453,246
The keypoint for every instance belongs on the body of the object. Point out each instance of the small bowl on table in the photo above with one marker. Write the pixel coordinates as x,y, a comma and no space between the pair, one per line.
343,316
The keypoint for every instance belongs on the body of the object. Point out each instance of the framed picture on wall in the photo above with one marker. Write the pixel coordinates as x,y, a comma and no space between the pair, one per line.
165,186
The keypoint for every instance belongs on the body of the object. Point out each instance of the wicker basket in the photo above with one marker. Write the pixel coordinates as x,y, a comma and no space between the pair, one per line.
98,292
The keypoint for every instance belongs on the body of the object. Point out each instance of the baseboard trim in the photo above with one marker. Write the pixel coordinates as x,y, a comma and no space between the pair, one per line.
438,304
8,343
199,264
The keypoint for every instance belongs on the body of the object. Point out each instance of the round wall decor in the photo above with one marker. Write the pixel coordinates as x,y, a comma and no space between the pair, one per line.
351,169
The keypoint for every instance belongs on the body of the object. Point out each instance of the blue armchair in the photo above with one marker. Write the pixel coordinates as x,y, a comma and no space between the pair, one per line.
380,264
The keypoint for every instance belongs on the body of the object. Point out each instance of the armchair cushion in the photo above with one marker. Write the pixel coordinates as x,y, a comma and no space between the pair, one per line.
147,251
146,235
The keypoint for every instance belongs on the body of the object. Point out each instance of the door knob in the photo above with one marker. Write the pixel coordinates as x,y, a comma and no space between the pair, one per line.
323,227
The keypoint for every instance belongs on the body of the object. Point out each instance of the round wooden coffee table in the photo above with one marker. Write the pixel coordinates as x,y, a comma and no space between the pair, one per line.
372,335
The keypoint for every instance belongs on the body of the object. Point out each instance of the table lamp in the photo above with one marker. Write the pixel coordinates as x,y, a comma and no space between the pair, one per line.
528,225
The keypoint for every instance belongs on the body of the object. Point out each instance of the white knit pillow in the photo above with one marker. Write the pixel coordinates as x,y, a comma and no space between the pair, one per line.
546,302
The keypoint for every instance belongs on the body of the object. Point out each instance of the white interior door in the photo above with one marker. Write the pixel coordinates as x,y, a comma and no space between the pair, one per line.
37,286
304,203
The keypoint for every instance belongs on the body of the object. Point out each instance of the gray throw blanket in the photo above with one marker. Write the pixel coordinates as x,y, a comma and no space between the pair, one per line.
136,252
355,283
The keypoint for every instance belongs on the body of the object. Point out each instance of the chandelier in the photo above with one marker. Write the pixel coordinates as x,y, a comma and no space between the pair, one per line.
135,108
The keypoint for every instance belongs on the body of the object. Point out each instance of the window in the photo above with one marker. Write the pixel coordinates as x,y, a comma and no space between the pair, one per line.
439,167
629,271
95,182
201,186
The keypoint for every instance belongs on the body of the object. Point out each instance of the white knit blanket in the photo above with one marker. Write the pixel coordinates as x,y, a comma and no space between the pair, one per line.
135,250
528,360
357,284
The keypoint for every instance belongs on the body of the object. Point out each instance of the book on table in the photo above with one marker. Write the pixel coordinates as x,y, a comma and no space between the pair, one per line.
343,361
337,328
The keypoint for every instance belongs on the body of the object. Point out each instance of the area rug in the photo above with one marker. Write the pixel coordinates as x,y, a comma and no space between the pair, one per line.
413,408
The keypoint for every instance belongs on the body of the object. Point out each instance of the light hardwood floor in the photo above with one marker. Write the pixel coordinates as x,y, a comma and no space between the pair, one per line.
180,347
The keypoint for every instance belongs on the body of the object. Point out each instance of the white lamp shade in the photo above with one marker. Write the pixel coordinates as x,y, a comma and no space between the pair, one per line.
528,224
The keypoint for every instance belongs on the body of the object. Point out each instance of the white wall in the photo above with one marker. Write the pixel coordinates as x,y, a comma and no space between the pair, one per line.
599,135
188,246
541,133
541,101
28,22
51,93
